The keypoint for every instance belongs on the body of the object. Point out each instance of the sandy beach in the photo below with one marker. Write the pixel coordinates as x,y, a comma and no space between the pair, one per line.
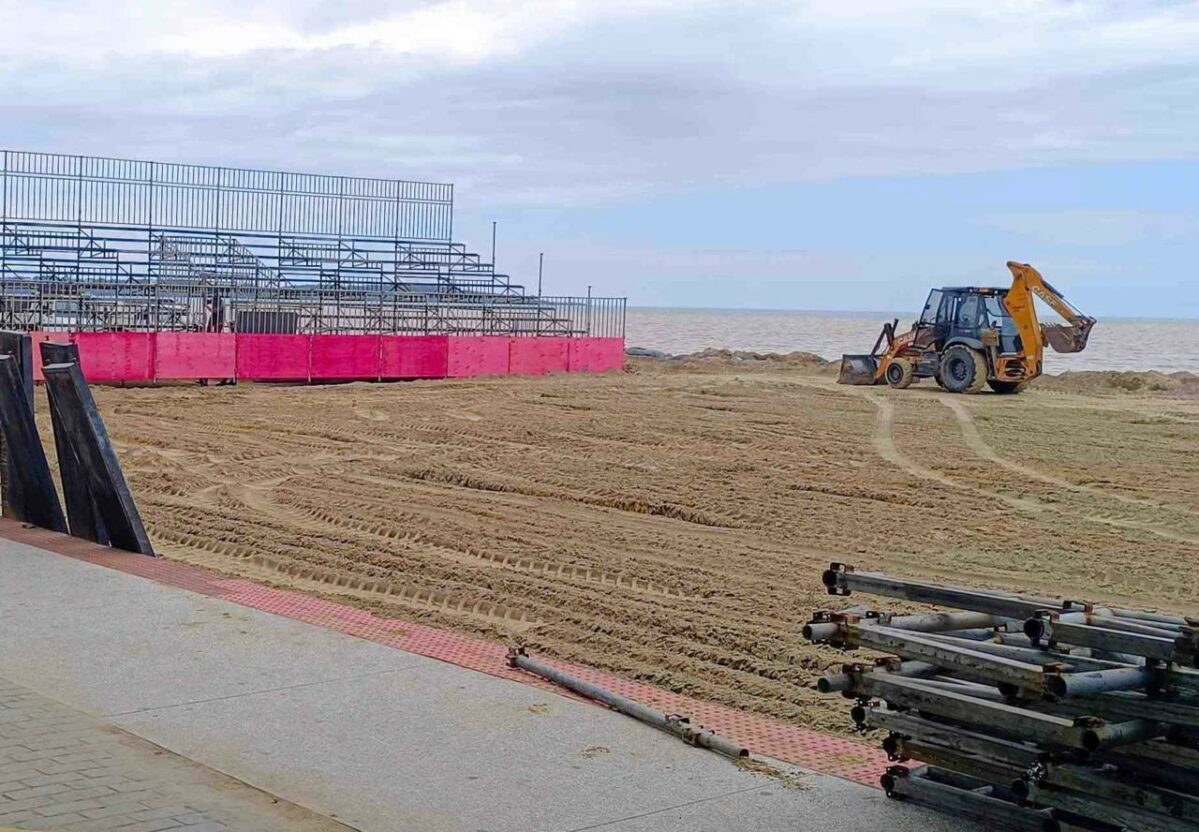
670,522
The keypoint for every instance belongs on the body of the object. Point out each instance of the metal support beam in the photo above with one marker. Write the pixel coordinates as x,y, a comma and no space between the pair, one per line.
35,500
78,421
679,726
83,516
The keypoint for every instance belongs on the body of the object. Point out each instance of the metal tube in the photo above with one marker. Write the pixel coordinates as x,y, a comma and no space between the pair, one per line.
1142,615
1033,656
842,580
1004,719
939,622
1120,815
1119,733
848,680
954,656
906,724
820,633
1106,784
1098,681
1084,635
1109,622
960,801
680,726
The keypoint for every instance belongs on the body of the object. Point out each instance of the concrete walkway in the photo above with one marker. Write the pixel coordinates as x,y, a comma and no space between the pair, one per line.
374,737
61,769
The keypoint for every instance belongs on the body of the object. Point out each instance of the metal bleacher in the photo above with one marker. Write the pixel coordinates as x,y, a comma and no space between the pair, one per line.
89,243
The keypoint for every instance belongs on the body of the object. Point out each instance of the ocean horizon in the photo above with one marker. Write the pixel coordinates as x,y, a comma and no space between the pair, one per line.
1117,343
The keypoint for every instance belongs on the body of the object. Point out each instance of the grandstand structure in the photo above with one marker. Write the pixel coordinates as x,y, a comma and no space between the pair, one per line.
91,244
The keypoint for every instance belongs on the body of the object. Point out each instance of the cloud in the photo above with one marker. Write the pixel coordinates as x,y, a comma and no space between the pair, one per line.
1097,228
575,101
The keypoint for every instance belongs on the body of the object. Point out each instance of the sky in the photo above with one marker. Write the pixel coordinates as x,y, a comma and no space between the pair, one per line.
807,155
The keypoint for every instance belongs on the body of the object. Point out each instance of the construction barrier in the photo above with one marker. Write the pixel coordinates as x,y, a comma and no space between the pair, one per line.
125,357
148,357
595,355
343,357
273,357
414,356
478,355
180,355
538,356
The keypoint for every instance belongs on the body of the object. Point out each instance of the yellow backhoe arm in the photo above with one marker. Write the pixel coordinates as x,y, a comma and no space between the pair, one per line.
1027,283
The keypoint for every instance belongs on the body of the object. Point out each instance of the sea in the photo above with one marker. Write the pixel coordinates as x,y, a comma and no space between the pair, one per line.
1115,344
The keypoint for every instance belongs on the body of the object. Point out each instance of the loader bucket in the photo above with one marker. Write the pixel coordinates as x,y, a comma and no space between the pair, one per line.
858,369
1066,338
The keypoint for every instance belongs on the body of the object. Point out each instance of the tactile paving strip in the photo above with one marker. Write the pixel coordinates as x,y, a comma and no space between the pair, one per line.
815,751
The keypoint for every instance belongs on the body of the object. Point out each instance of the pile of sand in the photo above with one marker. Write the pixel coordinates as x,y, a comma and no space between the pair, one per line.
1111,381
738,359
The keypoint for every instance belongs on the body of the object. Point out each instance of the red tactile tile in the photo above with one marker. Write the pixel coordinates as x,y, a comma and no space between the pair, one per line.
813,750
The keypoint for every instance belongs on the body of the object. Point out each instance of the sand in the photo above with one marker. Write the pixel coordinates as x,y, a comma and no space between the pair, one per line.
669,523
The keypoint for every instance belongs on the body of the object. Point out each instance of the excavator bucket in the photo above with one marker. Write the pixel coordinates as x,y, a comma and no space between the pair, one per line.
858,369
1067,338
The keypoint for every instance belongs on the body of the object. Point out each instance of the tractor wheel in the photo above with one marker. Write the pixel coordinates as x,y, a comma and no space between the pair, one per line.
963,370
1007,387
900,373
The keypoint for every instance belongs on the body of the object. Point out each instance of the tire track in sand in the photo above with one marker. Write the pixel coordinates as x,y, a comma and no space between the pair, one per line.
258,496
980,447
978,444
884,444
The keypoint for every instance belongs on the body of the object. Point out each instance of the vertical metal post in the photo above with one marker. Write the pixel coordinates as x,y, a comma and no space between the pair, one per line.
79,229
540,268
589,310
493,225
4,224
149,225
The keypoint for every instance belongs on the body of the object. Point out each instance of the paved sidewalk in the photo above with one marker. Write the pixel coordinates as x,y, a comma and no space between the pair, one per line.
373,736
61,769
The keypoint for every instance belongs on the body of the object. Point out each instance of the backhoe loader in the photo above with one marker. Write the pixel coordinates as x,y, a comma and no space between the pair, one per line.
968,338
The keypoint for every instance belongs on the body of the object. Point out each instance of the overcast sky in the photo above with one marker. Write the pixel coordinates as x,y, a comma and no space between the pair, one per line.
821,155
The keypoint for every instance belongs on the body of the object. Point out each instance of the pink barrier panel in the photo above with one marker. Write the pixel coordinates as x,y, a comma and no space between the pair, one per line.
605,354
537,356
272,357
596,355
478,355
344,357
116,356
187,355
37,338
413,356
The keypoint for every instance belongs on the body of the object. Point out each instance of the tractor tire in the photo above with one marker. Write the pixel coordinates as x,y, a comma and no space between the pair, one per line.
900,373
963,370
1007,388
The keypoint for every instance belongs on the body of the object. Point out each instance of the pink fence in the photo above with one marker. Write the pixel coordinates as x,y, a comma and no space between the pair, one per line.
147,357
537,356
194,355
273,357
414,356
478,355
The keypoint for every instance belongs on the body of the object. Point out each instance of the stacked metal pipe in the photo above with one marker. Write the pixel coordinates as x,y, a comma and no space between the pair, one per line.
1026,713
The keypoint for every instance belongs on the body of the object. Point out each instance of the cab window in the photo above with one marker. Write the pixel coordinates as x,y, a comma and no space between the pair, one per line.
998,316
929,315
968,309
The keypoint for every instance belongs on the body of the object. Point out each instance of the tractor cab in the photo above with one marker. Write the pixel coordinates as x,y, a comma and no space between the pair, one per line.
973,316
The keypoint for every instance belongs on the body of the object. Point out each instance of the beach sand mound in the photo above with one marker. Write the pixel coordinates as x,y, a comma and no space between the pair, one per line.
723,360
1111,381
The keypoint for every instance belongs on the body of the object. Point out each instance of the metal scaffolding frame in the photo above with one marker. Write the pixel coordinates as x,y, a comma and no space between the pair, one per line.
90,243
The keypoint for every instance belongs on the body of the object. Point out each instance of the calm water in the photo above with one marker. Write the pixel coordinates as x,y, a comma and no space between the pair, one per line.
1116,344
